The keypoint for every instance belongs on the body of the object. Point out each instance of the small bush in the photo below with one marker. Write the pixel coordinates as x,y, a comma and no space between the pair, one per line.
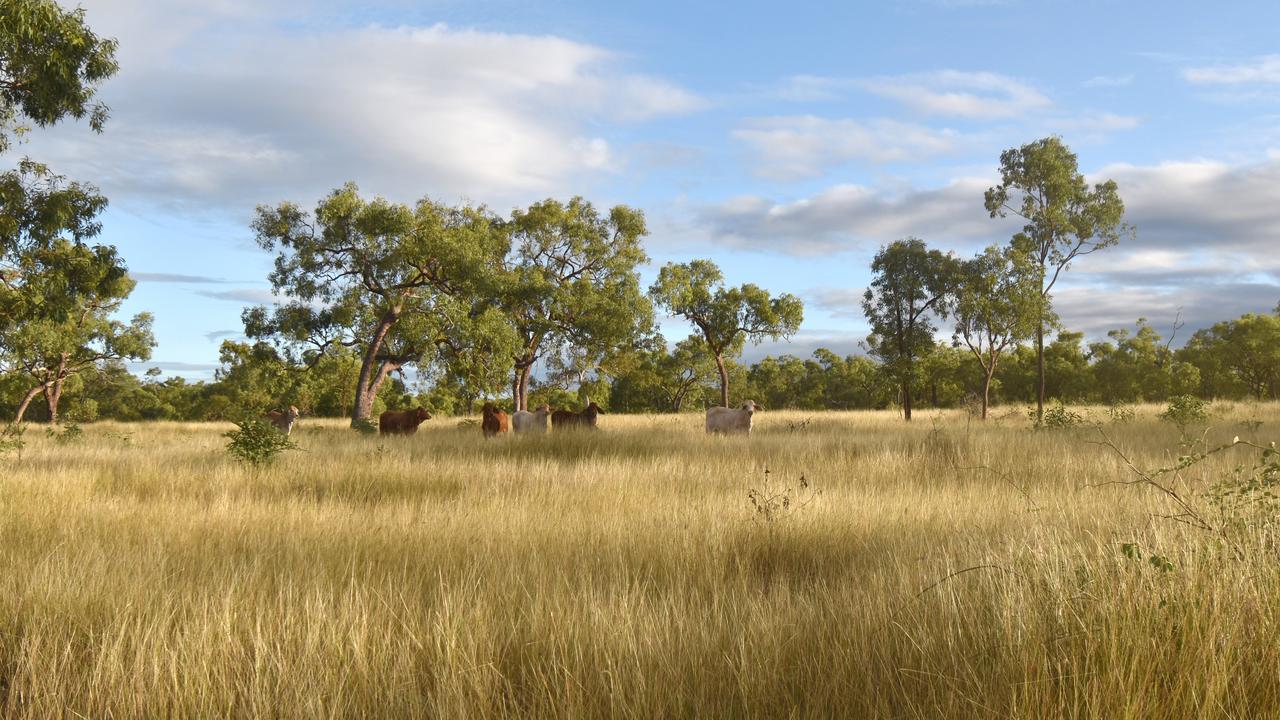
365,426
257,442
1057,417
1186,410
1121,414
11,439
71,433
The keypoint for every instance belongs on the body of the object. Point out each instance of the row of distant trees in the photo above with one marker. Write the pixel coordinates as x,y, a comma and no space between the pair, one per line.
1235,359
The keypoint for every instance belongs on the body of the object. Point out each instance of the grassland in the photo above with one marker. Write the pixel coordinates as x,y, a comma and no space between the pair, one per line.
943,569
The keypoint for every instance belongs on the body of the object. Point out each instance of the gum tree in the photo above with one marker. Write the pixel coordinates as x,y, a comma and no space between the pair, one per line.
570,287
398,284
726,317
996,306
909,286
1066,219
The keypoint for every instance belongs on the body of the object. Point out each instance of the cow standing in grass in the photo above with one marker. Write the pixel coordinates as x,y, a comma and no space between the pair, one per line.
731,420
493,421
284,421
523,421
567,419
402,422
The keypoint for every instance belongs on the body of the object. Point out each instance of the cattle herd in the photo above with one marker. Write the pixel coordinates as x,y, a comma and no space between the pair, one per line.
494,422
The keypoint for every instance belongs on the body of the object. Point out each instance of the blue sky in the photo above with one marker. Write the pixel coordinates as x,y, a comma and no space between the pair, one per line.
785,141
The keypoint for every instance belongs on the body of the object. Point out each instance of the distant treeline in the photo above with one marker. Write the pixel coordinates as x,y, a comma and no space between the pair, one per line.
1234,359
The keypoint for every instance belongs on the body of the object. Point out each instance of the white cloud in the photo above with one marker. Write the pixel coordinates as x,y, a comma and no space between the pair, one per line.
1265,69
855,217
242,112
804,146
960,94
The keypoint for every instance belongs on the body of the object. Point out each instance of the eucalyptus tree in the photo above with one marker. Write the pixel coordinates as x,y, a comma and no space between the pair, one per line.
910,285
1065,219
570,287
57,291
401,285
51,64
726,317
996,305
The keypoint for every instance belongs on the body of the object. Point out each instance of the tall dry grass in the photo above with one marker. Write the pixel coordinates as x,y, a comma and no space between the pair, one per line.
946,569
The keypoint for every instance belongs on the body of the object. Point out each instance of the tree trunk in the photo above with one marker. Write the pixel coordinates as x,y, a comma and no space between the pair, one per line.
26,401
906,400
52,395
724,381
1040,370
520,387
366,386
986,394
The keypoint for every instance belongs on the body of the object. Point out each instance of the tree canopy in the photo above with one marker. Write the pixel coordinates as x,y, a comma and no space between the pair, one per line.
726,317
51,65
1040,182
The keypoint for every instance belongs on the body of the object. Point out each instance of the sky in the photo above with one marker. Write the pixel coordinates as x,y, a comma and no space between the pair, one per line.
786,142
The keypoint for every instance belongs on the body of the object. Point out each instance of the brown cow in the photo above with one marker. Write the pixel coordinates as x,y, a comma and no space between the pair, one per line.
494,421
402,422
567,419
284,420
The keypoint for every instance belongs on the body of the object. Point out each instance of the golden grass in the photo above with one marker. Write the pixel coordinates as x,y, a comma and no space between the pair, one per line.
625,574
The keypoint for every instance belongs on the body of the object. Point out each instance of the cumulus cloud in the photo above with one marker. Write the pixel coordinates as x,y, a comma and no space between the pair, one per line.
1095,311
855,217
1264,69
795,147
839,302
960,94
244,112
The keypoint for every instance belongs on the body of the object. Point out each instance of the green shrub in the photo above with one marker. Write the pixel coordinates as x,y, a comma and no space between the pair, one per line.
365,426
257,442
1056,417
11,439
1186,410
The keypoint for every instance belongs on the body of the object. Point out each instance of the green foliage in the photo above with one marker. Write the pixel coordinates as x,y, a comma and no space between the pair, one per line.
1056,417
726,317
1237,357
257,442
1249,498
571,291
58,293
50,67
1065,219
11,439
996,305
71,433
401,285
1121,414
1186,410
909,286
365,426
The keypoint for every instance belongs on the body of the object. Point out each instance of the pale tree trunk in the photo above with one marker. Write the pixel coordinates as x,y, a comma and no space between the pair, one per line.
52,395
1040,370
520,387
724,381
986,394
26,402
366,384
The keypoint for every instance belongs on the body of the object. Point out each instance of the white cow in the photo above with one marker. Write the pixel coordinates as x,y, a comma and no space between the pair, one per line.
731,420
524,421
